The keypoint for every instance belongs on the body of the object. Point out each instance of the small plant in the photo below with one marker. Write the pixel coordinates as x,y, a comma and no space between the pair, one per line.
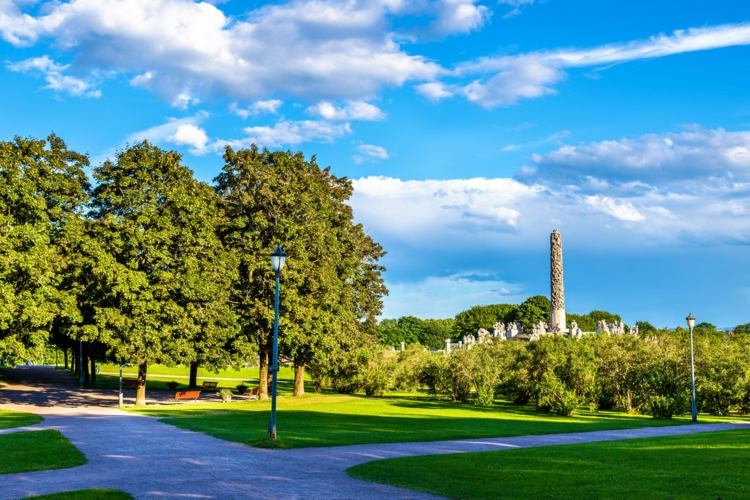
225,395
242,388
172,385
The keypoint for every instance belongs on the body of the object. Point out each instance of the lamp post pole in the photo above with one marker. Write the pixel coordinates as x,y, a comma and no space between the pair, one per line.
80,363
278,259
694,406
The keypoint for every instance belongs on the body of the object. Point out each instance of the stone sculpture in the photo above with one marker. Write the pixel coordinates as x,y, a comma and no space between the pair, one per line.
557,288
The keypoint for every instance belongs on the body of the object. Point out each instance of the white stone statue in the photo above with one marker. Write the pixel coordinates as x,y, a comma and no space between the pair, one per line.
602,327
574,330
634,330
498,329
512,329
483,336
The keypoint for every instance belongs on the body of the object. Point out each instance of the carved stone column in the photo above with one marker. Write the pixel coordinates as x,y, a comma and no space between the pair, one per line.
557,321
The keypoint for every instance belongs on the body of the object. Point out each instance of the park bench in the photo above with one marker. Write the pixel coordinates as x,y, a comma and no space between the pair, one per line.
252,392
194,395
209,386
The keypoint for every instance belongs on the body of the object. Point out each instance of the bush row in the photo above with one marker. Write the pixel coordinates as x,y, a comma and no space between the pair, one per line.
647,374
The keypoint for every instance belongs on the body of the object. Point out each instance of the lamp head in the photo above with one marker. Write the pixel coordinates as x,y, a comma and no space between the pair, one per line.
278,259
690,320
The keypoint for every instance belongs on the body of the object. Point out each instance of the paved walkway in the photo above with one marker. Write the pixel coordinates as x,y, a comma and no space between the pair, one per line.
150,459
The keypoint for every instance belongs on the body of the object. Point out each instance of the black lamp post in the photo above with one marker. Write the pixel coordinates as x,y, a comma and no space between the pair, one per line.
691,324
278,259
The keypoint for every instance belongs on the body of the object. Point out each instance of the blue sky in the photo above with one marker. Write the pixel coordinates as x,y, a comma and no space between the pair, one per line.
471,129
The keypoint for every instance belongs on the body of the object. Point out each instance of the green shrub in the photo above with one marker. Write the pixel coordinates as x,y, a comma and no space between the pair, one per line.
664,407
225,395
172,385
554,397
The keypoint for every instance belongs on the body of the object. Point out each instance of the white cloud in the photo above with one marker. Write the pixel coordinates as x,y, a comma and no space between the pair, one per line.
515,6
622,210
188,134
178,131
54,76
460,16
695,153
435,91
352,110
184,50
532,75
270,106
288,133
370,152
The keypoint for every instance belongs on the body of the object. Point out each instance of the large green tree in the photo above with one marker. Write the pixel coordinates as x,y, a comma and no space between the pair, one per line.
165,277
43,190
470,321
331,287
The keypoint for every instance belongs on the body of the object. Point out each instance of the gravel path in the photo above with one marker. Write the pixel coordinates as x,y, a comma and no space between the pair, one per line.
150,459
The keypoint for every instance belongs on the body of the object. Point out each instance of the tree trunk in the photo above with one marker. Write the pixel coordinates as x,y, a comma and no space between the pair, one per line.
193,374
65,357
263,373
85,365
93,369
140,391
299,379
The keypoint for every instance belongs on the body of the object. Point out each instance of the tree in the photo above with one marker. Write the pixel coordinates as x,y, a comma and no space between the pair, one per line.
435,332
532,311
163,278
470,321
332,286
43,190
743,328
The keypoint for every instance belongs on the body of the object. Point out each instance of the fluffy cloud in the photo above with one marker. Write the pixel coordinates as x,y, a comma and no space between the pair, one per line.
527,76
288,133
183,50
460,16
270,107
188,134
694,154
353,110
370,152
435,91
54,76
178,131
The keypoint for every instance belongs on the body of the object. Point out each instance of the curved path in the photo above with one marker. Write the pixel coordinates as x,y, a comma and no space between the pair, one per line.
150,459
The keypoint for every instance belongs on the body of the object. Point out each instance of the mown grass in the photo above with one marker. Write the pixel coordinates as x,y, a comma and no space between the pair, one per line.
17,419
91,494
37,450
330,420
711,465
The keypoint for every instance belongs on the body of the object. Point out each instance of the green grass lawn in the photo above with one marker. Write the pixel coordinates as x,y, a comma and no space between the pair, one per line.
17,419
37,450
330,420
92,494
712,465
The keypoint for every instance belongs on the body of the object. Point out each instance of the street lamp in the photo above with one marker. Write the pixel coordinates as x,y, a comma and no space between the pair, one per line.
278,259
691,324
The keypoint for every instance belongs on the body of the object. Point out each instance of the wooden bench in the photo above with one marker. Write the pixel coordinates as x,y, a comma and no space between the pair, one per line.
209,386
194,395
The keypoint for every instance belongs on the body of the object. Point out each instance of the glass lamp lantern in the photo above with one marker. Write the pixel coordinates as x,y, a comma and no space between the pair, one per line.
278,259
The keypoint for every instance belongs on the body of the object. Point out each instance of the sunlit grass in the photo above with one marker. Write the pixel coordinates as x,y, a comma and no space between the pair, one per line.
328,420
37,450
710,465
17,419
